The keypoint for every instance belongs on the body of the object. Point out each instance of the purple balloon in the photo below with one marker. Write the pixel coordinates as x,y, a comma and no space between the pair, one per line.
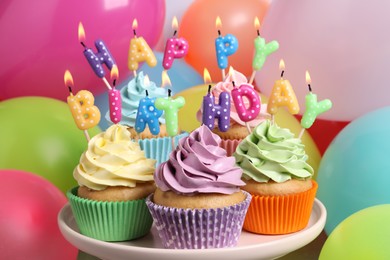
40,41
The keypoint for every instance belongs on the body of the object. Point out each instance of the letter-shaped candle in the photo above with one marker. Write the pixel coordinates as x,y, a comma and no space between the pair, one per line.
148,114
224,46
313,108
139,51
85,114
249,113
96,60
114,98
282,94
175,48
211,111
170,107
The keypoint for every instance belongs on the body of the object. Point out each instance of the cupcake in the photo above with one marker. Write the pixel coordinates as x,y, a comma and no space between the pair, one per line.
278,178
155,146
114,179
198,202
238,130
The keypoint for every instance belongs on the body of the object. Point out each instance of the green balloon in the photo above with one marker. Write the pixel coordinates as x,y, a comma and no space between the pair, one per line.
39,135
363,235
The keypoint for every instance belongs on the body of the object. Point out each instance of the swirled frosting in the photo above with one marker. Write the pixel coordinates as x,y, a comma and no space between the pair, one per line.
112,159
131,96
199,165
227,85
271,152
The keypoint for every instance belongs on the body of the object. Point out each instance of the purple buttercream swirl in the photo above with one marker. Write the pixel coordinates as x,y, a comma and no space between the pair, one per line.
199,165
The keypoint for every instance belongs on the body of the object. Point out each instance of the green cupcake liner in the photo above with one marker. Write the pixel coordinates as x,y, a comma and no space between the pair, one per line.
109,220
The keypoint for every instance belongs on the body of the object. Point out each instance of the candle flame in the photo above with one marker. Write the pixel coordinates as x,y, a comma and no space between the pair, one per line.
206,76
308,79
165,80
218,23
231,70
257,23
281,65
174,23
114,72
81,32
135,24
68,79
146,80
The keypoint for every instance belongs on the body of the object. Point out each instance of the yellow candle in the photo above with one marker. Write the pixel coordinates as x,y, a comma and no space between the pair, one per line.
140,51
282,95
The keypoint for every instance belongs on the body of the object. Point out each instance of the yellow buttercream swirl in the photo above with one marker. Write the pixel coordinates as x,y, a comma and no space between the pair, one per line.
113,159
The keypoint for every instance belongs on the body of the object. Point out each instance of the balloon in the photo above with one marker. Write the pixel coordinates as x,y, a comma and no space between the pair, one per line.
324,131
39,135
198,27
363,235
354,171
181,74
194,97
28,218
173,8
342,62
42,41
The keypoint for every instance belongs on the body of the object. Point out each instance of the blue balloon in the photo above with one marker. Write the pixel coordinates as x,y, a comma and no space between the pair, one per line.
181,74
355,172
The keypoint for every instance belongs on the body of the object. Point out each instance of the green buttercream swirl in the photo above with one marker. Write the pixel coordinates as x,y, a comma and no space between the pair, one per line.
271,152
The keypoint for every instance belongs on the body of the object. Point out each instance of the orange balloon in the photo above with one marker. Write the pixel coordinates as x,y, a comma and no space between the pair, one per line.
198,28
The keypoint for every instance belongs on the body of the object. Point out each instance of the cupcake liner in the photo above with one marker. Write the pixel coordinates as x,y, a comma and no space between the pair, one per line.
199,228
273,215
159,148
108,220
230,145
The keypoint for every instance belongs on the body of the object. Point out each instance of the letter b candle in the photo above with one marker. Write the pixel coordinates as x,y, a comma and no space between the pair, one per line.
220,111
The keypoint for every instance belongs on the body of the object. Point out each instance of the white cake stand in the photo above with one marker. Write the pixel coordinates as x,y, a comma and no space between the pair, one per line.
250,246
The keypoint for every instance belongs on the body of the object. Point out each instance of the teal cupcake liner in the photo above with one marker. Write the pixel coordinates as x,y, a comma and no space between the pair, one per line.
159,148
110,220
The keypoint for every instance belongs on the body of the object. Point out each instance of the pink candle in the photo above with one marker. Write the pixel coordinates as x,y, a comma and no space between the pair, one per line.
250,112
175,48
114,98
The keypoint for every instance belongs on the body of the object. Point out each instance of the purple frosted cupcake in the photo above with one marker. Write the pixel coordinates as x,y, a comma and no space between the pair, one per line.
198,203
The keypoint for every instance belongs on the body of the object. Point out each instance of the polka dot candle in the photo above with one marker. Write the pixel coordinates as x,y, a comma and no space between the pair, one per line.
224,46
85,114
175,48
212,111
148,114
115,105
170,107
250,112
282,94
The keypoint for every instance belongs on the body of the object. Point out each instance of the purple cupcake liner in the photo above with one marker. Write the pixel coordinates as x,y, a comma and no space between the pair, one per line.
199,228
159,148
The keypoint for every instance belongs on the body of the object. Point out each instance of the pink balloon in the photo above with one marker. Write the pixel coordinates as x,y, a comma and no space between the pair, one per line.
28,218
343,44
40,41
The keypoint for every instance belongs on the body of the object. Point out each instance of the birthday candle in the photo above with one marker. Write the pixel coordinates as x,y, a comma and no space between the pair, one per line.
96,60
175,47
148,114
313,108
211,111
114,98
139,51
250,112
224,46
282,94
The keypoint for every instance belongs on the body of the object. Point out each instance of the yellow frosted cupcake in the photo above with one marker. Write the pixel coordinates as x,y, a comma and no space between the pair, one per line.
277,175
114,178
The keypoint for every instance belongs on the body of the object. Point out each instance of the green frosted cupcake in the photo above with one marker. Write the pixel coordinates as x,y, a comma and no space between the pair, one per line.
114,179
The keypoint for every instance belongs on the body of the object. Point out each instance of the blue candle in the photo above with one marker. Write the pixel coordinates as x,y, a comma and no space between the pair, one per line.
148,114
224,46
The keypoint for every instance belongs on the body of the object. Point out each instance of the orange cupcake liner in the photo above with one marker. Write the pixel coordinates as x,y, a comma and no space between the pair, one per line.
230,145
275,215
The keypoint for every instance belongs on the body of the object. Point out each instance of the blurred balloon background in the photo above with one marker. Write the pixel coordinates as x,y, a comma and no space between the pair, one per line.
363,235
39,135
42,41
354,171
28,218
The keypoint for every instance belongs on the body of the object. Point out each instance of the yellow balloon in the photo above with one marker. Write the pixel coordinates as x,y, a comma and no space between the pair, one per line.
194,97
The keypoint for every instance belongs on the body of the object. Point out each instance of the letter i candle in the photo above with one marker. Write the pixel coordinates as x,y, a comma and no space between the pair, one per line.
224,46
175,48
313,108
85,114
